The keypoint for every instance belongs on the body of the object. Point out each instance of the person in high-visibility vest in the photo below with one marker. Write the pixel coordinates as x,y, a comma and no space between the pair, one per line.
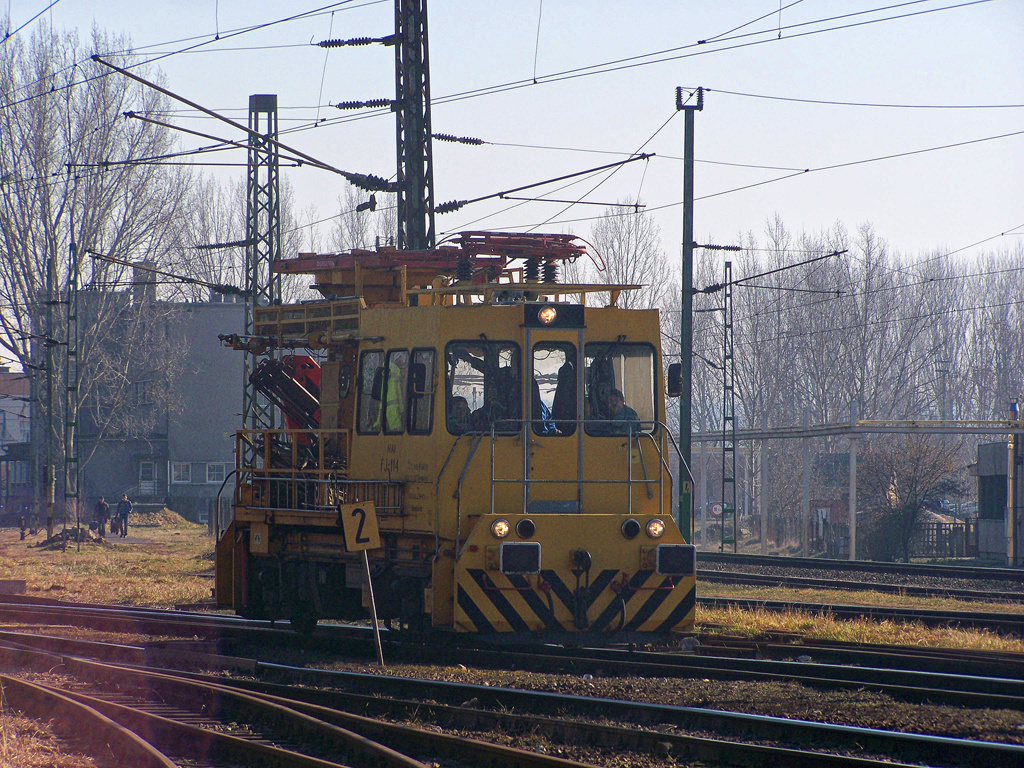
394,400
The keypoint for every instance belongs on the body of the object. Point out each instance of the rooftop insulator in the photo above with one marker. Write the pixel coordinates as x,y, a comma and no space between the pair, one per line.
464,269
551,271
531,270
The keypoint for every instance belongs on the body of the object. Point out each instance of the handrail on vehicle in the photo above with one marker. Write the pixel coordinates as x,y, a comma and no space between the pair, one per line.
663,465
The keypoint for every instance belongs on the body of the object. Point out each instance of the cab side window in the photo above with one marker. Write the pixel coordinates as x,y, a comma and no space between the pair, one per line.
395,380
371,391
483,387
421,392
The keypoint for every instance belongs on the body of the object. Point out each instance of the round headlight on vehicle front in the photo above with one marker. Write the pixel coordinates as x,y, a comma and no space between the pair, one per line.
500,528
655,528
631,529
526,528
547,315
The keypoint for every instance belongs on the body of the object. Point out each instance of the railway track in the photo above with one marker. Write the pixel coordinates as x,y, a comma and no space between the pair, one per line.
977,573
172,719
909,590
226,634
952,681
918,658
339,712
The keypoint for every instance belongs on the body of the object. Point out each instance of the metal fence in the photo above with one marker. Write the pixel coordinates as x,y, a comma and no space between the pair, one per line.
935,539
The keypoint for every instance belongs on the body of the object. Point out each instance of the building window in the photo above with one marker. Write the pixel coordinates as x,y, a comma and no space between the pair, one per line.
181,472
215,473
145,392
147,478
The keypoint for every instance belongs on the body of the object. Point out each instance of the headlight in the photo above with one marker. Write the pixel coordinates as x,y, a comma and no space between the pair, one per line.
547,315
500,528
655,528
525,528
631,529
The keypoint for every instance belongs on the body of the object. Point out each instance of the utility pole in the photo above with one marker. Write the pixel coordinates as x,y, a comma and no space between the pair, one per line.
263,241
805,503
730,517
686,324
48,341
415,185
71,401
853,482
1013,554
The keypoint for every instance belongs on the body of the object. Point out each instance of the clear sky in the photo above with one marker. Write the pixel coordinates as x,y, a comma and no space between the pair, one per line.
606,74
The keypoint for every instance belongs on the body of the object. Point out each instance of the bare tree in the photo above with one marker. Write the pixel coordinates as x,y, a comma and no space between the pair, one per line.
901,477
629,243
358,226
74,177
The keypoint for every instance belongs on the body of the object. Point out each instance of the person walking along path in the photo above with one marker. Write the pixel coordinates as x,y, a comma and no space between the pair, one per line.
124,508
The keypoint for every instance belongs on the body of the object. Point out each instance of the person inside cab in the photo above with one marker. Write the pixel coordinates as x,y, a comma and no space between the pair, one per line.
618,418
460,418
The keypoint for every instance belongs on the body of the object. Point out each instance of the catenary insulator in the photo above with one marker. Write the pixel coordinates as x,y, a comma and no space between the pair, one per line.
449,207
372,104
458,139
338,43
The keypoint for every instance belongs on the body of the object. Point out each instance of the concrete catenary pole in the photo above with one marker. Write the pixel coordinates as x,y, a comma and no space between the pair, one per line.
805,505
853,483
1013,554
686,324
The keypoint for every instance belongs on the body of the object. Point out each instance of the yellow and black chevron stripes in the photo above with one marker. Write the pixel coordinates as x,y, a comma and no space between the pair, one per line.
491,603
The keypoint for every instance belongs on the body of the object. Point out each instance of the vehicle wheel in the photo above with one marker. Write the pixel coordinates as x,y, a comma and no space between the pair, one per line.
303,620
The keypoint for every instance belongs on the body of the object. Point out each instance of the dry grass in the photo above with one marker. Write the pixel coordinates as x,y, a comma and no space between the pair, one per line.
160,567
26,743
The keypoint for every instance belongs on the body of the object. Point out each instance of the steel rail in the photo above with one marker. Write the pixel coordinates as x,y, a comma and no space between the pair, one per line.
80,722
982,573
916,658
909,590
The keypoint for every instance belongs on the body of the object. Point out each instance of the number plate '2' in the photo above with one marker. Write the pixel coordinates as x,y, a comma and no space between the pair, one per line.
359,522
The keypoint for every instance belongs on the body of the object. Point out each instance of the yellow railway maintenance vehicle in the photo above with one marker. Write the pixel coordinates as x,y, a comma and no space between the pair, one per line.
473,406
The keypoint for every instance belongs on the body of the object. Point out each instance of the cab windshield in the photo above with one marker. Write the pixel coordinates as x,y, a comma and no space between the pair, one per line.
620,389
483,386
